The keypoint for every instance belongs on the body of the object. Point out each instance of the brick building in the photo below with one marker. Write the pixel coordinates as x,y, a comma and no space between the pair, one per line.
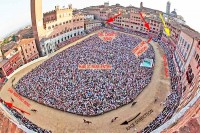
28,49
15,57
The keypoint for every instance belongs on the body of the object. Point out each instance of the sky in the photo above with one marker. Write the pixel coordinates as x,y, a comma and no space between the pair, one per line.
15,14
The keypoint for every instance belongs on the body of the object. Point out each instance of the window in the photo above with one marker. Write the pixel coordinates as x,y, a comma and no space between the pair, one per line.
188,46
185,44
183,41
197,57
26,50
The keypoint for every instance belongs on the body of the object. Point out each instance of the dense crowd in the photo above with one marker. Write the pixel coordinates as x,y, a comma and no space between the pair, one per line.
25,121
60,84
173,99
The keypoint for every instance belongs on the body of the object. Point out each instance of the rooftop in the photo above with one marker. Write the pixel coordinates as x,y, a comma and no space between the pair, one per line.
26,41
3,62
191,33
89,21
8,46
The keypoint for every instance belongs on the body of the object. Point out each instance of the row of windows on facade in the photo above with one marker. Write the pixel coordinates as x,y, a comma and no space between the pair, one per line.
32,58
67,37
65,31
31,54
139,19
103,15
180,64
197,58
89,25
64,23
29,48
182,52
151,24
183,43
138,28
52,17
29,44
19,63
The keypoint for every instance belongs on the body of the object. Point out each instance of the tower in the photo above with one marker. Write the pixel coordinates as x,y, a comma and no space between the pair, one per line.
37,22
168,8
141,5
106,4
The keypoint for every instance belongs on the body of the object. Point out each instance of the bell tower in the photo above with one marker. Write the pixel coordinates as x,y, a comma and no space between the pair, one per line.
37,22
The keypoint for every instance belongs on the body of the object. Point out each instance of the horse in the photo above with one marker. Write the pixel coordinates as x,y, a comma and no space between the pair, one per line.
88,122
133,103
114,119
34,110
12,99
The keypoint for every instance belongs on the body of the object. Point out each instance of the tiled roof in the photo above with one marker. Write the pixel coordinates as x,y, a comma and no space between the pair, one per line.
26,41
8,46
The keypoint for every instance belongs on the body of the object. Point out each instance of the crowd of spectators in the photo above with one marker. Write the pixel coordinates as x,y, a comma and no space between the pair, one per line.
91,92
59,83
172,101
22,120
